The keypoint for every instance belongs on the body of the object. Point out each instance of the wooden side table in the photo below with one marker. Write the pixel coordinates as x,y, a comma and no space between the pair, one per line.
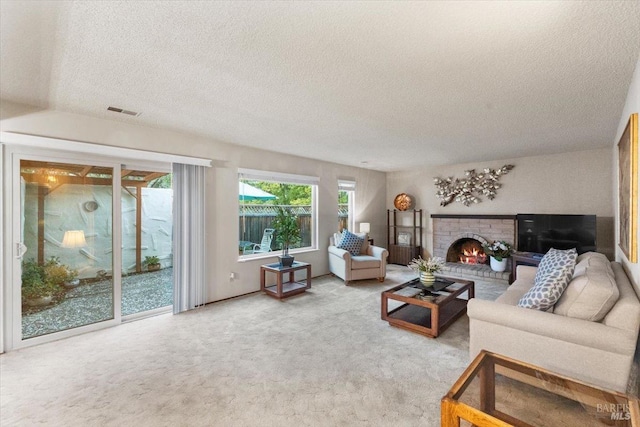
523,258
283,289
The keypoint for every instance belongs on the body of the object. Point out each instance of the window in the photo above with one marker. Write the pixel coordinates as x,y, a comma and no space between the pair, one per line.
261,195
346,202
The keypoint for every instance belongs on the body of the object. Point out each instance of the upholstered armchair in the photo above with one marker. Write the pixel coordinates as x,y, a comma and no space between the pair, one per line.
371,263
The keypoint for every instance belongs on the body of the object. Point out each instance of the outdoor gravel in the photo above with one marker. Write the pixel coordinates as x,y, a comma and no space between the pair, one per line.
91,303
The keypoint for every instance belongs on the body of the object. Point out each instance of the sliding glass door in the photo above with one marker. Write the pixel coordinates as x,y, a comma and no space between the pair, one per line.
66,222
147,241
92,243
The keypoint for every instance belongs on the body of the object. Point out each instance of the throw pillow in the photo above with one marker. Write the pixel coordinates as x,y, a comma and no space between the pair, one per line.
337,238
592,292
552,277
365,242
350,242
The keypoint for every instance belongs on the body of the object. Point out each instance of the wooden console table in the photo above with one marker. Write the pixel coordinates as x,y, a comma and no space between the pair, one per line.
283,289
523,258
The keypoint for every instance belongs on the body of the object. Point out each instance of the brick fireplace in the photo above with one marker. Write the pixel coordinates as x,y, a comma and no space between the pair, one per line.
454,236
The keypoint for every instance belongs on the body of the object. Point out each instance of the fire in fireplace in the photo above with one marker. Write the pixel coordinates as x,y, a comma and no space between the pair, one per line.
466,251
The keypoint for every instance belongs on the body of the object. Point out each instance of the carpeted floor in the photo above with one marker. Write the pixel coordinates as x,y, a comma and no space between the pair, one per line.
324,358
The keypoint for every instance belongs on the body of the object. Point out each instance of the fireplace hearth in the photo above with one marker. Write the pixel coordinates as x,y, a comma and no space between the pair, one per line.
459,239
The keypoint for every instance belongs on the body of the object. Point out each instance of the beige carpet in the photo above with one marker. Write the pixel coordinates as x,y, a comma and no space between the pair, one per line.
323,358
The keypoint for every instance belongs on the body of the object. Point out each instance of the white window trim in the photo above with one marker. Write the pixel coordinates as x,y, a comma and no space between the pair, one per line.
349,187
313,181
97,149
258,175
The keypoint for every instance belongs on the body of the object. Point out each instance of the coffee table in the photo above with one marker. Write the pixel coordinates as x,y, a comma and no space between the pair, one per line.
282,289
499,391
427,310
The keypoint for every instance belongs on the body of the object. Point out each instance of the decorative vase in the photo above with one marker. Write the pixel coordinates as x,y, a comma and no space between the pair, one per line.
71,284
427,278
498,265
39,301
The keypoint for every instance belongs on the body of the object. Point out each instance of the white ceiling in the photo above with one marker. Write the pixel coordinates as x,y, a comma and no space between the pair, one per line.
398,85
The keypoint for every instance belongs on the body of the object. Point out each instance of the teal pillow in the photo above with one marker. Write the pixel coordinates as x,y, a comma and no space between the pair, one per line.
350,242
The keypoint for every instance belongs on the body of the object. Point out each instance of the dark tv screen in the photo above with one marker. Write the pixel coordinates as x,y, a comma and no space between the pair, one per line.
539,232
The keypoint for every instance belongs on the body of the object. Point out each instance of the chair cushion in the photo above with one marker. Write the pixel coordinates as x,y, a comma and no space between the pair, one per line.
365,242
592,292
337,238
350,242
359,262
552,277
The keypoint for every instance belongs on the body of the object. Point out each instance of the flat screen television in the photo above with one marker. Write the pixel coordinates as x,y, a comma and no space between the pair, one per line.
540,232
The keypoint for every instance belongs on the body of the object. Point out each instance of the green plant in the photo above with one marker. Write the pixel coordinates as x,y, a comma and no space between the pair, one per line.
57,273
498,249
432,265
34,283
287,229
151,260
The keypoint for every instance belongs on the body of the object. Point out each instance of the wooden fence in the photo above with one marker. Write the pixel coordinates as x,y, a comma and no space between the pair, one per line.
254,219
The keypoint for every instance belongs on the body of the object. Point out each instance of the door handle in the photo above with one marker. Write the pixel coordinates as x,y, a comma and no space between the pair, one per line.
21,249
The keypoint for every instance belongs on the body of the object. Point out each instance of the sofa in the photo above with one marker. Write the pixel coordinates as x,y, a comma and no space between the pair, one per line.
370,263
590,334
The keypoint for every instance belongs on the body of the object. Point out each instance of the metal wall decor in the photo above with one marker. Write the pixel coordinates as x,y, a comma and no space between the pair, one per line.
468,190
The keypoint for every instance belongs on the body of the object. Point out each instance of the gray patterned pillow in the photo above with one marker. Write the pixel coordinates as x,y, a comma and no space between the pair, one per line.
553,275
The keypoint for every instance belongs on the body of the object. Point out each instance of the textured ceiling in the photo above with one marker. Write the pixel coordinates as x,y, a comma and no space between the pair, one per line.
397,85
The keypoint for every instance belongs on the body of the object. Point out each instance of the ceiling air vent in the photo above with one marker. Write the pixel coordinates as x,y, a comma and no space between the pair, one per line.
120,110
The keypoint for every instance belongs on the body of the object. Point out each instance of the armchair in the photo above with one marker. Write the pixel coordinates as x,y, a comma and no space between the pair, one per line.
370,264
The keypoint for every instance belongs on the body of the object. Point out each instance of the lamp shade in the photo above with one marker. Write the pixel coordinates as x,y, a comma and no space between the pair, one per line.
365,227
74,239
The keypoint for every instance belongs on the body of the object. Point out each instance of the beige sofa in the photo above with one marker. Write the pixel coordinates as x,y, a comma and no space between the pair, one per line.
590,335
370,264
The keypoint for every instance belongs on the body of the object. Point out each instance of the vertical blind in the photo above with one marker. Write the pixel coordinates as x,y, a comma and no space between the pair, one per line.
189,271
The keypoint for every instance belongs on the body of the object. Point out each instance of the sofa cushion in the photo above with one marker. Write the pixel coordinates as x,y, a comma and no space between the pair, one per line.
358,262
350,242
592,291
581,265
552,277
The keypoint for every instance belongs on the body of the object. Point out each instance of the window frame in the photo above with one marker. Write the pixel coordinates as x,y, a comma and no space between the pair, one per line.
284,178
349,187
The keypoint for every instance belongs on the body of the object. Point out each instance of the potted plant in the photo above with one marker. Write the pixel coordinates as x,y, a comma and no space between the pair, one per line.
36,289
287,233
59,274
426,268
499,252
152,262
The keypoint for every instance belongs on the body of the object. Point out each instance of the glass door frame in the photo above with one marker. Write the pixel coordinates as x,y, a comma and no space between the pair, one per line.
12,316
156,167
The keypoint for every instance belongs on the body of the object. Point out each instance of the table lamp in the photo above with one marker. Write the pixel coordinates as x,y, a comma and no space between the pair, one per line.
73,239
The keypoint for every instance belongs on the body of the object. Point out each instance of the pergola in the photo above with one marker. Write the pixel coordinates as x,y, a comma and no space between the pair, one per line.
49,176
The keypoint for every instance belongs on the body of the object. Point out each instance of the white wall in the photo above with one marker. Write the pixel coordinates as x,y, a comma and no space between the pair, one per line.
570,183
222,187
64,210
632,105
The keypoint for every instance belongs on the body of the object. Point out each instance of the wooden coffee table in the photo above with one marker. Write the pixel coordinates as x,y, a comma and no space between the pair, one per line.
497,391
431,314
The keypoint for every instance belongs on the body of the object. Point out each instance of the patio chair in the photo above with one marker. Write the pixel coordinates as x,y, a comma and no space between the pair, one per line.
264,246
